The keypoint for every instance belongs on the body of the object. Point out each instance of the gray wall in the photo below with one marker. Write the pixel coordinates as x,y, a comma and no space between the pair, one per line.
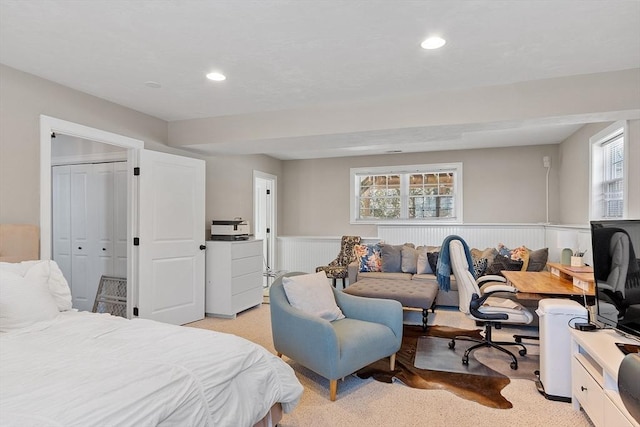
23,98
500,185
574,173
230,185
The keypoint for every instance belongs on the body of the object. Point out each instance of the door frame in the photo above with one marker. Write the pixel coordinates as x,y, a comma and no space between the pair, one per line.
50,125
273,213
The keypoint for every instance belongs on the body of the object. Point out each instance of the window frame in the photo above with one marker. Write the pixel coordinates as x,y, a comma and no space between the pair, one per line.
597,177
404,171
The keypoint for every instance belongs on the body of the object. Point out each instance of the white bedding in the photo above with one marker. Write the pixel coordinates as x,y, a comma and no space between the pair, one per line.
83,369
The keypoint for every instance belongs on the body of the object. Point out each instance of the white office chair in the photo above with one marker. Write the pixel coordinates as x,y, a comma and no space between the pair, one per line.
483,307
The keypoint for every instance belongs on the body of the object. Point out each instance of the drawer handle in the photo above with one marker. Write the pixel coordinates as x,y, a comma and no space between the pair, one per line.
203,247
583,388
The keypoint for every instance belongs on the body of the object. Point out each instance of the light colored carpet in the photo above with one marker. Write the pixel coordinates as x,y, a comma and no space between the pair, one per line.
372,403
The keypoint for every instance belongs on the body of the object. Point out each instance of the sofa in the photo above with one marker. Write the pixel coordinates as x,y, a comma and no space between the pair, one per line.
408,262
389,265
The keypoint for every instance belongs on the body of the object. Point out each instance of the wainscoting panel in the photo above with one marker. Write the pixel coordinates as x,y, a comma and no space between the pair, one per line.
476,235
577,238
305,253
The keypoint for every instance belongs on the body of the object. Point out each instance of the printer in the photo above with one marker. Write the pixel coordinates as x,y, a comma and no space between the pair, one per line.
235,229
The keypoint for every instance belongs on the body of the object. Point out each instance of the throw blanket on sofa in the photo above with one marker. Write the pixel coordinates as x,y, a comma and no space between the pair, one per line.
443,268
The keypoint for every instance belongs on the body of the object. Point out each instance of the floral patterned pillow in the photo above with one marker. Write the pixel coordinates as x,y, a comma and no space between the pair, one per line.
369,257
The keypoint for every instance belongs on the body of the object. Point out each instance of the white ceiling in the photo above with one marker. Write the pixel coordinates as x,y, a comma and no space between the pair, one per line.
286,55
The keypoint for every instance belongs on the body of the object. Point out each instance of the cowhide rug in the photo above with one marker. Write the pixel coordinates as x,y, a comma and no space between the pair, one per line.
484,390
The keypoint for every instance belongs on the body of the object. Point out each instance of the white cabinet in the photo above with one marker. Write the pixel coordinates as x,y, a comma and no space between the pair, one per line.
233,276
594,377
89,203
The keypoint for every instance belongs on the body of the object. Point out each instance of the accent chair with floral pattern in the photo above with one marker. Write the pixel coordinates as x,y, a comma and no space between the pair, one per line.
337,269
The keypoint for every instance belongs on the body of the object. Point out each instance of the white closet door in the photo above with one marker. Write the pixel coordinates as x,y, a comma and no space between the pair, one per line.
102,225
81,245
120,219
90,226
61,218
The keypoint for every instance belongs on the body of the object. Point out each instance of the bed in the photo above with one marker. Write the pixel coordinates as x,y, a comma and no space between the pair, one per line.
61,367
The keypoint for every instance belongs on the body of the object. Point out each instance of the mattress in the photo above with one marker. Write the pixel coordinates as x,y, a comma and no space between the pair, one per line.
95,369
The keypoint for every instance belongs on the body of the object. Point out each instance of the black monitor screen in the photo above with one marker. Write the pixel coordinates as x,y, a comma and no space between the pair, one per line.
616,267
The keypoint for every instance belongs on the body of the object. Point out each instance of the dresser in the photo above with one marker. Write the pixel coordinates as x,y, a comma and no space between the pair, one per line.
594,377
233,277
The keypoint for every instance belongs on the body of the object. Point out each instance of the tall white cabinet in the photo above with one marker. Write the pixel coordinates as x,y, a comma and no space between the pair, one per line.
89,225
233,276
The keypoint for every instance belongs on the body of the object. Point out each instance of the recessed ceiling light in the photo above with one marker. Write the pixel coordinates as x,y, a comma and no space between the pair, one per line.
433,43
153,85
217,77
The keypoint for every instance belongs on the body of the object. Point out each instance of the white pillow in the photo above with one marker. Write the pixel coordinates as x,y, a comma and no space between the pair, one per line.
18,267
23,302
44,272
49,273
422,265
312,294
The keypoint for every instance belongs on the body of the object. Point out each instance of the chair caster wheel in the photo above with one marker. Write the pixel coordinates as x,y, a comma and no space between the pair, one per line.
452,344
465,360
522,352
514,365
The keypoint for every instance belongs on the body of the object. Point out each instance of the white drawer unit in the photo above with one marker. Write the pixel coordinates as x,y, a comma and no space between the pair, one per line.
234,277
594,378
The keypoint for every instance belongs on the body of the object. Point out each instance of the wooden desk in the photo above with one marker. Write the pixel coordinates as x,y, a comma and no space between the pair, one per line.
581,276
533,285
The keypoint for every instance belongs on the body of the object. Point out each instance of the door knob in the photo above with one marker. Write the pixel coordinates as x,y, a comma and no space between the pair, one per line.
104,249
203,247
80,247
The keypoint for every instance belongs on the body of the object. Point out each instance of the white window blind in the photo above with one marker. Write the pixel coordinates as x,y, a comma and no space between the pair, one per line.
613,178
608,173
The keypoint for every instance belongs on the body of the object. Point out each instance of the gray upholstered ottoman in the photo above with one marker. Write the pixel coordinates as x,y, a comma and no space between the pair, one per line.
413,294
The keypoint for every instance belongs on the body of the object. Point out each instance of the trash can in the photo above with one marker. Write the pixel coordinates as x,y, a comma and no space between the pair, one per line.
557,315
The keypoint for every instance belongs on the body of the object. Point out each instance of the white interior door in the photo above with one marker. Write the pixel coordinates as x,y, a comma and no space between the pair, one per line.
264,187
82,246
61,214
102,225
120,219
171,230
89,225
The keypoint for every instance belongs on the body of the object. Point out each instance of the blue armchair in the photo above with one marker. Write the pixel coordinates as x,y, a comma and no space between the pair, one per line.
370,331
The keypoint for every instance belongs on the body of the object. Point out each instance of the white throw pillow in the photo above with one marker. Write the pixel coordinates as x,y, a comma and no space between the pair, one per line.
422,265
49,273
20,268
312,294
23,302
44,272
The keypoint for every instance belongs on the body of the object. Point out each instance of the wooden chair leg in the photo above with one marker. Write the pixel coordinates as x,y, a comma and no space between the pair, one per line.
392,364
334,282
333,389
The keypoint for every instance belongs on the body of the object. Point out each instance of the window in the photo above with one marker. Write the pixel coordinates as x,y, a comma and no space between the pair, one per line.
419,193
608,173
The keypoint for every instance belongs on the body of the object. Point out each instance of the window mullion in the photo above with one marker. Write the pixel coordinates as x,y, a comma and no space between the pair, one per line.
404,196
